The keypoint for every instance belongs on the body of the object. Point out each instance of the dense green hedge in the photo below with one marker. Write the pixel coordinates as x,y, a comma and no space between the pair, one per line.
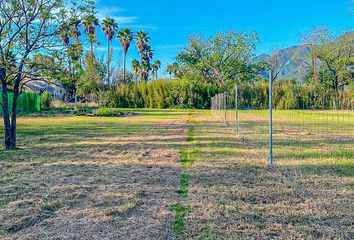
27,103
288,94
161,94
182,93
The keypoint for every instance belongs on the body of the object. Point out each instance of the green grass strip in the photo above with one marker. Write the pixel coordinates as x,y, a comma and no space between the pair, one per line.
180,211
188,157
190,134
183,186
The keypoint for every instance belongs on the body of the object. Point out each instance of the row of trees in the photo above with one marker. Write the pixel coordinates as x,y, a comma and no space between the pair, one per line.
101,72
178,93
290,94
195,93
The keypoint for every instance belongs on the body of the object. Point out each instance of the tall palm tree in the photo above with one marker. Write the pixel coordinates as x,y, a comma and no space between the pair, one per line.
142,40
126,37
136,66
75,52
155,67
90,24
110,27
64,36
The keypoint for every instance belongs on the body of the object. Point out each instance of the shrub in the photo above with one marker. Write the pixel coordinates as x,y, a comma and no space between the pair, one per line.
59,105
46,100
108,112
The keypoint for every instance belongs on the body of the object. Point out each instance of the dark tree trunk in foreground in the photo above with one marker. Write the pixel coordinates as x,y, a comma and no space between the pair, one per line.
9,120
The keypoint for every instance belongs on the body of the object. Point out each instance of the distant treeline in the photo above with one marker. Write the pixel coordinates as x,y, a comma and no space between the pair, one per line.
182,93
288,94
160,94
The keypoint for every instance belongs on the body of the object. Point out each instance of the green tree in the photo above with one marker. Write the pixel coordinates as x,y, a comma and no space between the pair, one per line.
126,37
222,58
142,40
90,24
90,81
109,27
337,57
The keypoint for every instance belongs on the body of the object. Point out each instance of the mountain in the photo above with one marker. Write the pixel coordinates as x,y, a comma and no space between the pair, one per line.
294,57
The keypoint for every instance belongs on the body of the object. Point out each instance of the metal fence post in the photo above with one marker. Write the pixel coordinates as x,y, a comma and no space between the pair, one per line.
225,107
236,108
270,119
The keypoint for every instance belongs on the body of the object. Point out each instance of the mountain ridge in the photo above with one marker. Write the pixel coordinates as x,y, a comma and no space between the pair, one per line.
295,56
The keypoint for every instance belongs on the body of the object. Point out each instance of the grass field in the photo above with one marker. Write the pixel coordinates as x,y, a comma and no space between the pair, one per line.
178,174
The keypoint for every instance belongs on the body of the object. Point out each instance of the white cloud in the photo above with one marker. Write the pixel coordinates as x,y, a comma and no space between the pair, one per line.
104,49
142,26
115,13
125,20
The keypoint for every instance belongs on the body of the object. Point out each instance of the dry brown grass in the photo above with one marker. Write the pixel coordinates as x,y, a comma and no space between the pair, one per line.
234,195
92,178
117,178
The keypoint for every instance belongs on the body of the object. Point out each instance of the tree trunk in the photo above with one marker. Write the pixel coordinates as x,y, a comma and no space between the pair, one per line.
91,51
9,138
9,126
124,67
108,63
14,117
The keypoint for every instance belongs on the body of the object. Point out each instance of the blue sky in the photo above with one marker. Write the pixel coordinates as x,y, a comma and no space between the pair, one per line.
169,23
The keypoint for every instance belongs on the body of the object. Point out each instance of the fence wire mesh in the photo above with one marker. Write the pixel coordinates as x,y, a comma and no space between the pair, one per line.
301,131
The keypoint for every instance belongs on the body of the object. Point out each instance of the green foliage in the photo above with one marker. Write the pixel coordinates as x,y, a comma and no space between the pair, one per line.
223,58
27,103
108,112
288,94
337,57
91,80
46,100
163,94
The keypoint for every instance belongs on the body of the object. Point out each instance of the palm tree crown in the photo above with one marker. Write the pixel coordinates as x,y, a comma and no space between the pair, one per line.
142,40
90,23
155,67
126,37
136,66
110,27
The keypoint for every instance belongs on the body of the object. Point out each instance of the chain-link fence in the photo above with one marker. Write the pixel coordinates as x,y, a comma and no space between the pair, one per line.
322,128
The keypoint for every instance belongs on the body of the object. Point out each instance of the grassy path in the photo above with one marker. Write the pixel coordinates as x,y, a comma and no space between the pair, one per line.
188,155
